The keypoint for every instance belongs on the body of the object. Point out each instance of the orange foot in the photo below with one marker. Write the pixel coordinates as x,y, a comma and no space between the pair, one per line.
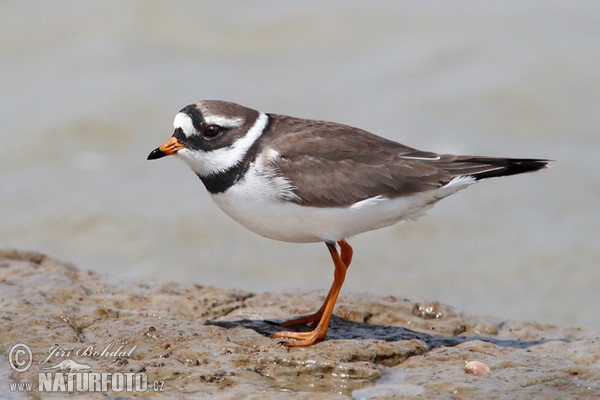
302,338
321,318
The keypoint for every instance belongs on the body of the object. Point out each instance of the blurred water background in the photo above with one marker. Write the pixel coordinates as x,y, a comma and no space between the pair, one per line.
88,88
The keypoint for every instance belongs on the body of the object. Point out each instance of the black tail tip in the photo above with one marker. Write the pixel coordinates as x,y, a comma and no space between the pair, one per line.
510,166
514,166
517,166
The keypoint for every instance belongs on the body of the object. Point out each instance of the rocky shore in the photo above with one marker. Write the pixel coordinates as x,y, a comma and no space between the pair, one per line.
194,341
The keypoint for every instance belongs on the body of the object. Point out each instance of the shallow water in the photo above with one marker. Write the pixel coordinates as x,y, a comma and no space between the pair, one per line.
88,89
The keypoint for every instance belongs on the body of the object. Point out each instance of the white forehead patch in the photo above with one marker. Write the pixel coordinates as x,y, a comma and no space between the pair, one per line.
183,121
227,122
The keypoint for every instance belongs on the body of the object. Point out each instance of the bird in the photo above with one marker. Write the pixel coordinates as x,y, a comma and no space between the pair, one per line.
301,181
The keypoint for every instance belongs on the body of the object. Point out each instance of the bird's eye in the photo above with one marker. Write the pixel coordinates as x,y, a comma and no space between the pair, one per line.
212,130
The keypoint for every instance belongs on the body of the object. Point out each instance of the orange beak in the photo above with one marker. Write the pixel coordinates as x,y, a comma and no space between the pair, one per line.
168,148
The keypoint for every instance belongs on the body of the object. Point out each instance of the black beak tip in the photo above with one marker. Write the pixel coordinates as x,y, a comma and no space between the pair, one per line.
156,153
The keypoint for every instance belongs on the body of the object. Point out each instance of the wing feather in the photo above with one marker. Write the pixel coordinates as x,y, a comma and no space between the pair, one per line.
334,165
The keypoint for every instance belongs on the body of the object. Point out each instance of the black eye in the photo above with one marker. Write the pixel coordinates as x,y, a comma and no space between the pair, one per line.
212,130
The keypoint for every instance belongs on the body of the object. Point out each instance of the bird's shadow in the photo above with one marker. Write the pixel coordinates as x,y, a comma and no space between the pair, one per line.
343,329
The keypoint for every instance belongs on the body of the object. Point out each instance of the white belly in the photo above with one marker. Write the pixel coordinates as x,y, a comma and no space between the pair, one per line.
254,203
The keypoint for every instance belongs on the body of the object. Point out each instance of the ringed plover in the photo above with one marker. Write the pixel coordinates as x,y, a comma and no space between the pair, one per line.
299,180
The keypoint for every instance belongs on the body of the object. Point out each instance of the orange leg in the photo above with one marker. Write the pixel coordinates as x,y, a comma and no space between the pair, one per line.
346,252
321,318
346,255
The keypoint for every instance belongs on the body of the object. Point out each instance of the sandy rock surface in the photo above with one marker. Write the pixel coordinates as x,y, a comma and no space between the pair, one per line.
194,341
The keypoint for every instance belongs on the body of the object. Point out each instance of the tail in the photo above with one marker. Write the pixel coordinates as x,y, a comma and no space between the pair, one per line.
490,167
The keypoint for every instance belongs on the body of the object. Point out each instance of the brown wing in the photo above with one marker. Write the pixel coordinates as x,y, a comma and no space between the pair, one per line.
333,165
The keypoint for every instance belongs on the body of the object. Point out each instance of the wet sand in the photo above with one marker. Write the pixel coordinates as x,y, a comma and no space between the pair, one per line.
200,341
